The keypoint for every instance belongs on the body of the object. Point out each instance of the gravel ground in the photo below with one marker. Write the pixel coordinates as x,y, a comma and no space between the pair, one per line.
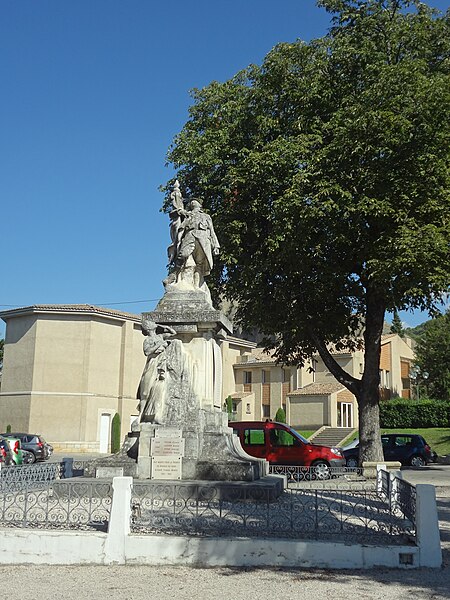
180,583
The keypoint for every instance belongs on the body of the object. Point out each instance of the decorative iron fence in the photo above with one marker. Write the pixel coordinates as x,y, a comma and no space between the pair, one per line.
384,482
62,504
403,498
298,513
400,494
27,477
334,476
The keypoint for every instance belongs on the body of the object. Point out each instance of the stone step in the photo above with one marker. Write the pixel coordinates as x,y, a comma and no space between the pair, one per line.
332,436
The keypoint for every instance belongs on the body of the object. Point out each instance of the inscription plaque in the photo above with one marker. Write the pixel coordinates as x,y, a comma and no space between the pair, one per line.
168,432
167,451
162,446
166,467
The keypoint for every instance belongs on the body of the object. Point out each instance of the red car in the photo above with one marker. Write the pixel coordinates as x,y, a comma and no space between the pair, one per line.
281,445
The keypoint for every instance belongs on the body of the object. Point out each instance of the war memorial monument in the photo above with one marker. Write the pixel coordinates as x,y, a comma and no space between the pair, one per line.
182,432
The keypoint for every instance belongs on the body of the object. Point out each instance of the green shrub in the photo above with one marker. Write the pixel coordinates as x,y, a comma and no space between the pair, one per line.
229,405
413,414
280,416
8,429
115,434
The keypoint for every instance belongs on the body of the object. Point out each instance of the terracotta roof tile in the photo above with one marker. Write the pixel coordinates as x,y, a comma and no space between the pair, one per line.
67,308
318,389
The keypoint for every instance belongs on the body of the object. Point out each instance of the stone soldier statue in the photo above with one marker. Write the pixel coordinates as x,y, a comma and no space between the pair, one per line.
194,243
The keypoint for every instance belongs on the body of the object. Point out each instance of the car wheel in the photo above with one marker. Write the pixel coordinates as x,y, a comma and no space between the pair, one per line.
320,469
417,461
32,458
352,463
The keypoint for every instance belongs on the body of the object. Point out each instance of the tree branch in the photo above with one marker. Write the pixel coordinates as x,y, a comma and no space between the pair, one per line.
350,382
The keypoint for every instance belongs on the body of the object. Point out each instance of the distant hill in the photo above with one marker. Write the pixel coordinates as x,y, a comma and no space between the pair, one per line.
417,332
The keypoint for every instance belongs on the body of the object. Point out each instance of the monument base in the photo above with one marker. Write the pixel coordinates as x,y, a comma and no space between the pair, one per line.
203,450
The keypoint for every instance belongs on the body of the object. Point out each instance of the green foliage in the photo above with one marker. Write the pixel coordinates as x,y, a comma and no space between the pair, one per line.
326,170
8,429
115,434
229,405
416,333
413,414
433,356
396,325
280,416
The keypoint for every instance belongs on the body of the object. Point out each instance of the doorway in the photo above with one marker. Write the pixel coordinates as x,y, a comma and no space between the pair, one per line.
105,429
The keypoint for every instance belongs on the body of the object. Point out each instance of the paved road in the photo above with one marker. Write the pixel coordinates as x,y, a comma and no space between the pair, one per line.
437,475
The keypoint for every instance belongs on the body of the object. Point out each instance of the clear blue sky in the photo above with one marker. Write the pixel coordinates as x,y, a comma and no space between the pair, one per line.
93,92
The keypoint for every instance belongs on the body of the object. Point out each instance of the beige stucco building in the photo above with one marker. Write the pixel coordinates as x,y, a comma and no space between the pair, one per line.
311,396
68,369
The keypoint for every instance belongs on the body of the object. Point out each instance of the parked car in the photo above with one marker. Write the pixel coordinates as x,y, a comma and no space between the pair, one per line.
27,457
281,445
408,449
32,442
6,457
15,448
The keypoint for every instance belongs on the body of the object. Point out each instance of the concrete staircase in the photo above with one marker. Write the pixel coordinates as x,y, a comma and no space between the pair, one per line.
331,436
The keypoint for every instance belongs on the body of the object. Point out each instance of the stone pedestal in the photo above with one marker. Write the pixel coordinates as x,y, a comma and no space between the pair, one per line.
210,450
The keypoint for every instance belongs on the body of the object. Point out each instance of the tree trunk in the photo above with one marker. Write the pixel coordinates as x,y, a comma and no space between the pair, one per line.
370,448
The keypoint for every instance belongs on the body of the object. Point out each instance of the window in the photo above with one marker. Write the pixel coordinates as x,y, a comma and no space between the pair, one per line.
388,379
286,376
247,377
314,364
281,437
254,437
266,411
248,408
403,440
265,376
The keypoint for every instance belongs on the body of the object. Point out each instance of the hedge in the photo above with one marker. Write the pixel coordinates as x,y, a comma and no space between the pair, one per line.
413,414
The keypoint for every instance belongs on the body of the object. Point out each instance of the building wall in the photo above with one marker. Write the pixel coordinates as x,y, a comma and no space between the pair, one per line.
63,371
308,412
323,375
400,351
18,354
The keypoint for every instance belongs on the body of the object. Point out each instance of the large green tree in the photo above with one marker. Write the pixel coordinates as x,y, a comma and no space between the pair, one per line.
326,171
433,357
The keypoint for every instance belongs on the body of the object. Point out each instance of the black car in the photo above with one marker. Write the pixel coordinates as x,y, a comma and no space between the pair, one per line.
32,442
409,449
5,453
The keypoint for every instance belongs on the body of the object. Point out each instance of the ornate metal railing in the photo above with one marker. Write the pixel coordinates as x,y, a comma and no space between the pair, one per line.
76,467
404,498
334,476
298,513
26,477
384,482
62,504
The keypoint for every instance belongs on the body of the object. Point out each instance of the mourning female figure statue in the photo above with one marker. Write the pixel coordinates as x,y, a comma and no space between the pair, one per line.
151,393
